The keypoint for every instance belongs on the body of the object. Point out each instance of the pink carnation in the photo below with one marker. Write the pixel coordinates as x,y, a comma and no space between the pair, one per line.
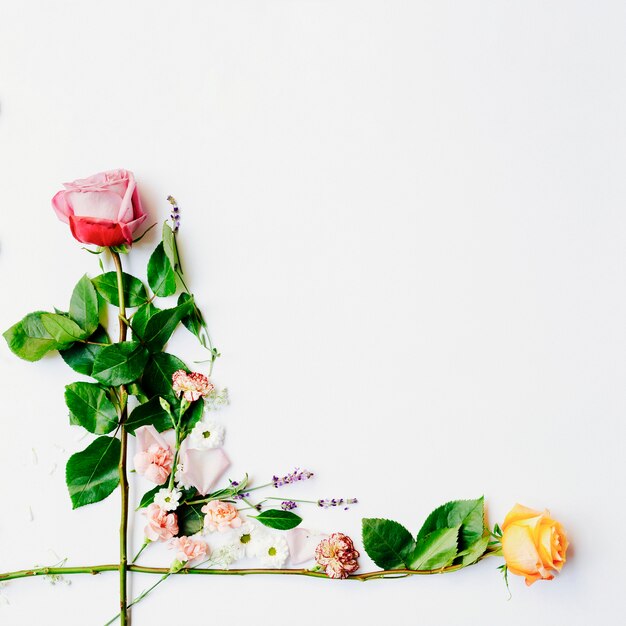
191,386
161,525
154,458
337,556
189,548
221,516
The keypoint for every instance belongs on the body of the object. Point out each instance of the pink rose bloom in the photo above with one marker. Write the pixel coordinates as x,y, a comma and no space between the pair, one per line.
189,548
337,556
154,458
161,525
191,386
200,468
104,209
221,516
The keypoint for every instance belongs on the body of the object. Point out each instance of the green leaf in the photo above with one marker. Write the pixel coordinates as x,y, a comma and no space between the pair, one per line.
190,519
29,338
120,363
387,543
192,322
169,246
84,305
62,329
134,389
473,553
435,550
278,519
92,475
193,414
90,408
469,514
161,276
157,376
148,497
135,293
162,324
152,413
140,320
81,356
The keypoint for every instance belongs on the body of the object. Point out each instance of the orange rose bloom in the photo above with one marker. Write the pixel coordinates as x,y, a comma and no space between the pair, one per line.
533,544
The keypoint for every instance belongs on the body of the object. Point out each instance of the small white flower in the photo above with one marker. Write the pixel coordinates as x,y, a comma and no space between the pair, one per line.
207,434
216,400
225,556
246,540
167,499
273,551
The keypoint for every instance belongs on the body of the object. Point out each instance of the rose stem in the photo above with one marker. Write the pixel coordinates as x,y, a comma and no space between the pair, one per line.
123,568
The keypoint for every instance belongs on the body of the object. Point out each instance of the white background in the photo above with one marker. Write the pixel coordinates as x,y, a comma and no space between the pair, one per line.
405,224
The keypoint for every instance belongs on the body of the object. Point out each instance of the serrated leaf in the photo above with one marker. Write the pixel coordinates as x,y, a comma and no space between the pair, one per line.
29,339
149,413
120,363
62,329
387,543
473,553
278,519
162,324
84,305
191,322
93,474
81,356
135,293
134,389
161,276
469,514
90,407
157,376
169,246
140,320
435,550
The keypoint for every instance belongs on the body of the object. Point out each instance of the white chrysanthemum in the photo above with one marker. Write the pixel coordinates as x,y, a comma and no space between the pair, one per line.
167,499
273,551
246,540
216,400
207,434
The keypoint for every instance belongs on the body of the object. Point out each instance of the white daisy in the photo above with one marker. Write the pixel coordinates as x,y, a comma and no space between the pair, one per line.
273,551
207,434
167,499
246,540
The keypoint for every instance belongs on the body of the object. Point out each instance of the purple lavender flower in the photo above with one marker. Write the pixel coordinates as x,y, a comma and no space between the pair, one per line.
293,477
288,505
332,502
175,214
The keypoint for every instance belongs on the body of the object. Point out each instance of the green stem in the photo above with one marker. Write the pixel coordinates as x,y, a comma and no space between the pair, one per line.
123,567
96,569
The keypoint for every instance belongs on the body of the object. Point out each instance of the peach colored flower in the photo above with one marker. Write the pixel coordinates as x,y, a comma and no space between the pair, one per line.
189,548
220,516
533,544
154,458
161,525
191,386
337,556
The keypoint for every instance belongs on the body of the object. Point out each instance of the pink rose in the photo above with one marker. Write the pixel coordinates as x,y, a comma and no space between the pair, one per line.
161,525
221,516
200,468
104,209
189,548
337,556
154,458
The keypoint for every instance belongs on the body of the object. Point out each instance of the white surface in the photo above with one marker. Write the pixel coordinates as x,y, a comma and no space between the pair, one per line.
405,223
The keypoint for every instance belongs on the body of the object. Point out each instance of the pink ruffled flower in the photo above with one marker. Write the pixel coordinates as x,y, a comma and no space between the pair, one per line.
161,525
191,385
189,548
337,556
154,458
220,516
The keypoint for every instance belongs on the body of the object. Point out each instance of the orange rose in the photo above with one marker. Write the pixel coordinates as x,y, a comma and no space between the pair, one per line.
533,544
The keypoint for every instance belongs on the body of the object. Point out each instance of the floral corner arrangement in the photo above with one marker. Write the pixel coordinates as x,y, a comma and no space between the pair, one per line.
132,386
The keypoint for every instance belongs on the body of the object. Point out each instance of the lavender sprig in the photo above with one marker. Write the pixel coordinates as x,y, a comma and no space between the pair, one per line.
175,214
327,503
294,477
